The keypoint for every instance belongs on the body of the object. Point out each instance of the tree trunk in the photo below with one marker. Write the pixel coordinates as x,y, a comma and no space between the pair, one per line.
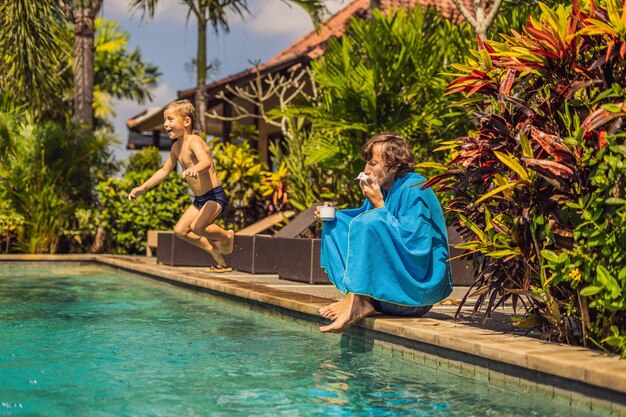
98,242
201,77
84,31
480,21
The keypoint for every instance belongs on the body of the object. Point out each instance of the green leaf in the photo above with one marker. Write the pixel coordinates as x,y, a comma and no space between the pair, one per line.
511,162
615,201
497,191
527,150
474,228
590,290
434,165
497,254
472,245
614,341
609,282
550,256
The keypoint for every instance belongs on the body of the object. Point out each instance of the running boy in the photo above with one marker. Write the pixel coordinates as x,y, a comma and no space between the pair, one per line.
196,224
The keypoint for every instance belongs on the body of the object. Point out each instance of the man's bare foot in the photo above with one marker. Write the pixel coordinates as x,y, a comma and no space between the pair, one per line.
227,246
217,255
358,308
332,311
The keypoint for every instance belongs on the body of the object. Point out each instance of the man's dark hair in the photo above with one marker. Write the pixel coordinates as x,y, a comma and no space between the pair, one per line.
396,152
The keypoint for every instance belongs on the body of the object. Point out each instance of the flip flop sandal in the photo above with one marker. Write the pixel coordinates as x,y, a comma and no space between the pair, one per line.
220,269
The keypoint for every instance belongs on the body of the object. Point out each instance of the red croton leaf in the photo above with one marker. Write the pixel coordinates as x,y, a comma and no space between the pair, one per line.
600,117
545,52
507,82
602,139
609,49
549,143
549,168
478,74
436,179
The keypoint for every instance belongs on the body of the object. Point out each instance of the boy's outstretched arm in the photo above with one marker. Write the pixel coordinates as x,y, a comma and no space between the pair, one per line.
204,159
155,179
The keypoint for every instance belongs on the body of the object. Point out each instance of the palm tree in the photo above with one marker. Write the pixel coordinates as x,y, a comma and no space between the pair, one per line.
36,53
214,12
33,54
119,73
82,13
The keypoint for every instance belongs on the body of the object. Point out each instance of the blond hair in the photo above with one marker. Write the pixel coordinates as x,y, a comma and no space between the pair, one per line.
184,108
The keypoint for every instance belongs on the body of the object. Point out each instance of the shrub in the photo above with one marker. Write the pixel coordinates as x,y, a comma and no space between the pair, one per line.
11,227
383,74
539,185
245,181
46,173
127,222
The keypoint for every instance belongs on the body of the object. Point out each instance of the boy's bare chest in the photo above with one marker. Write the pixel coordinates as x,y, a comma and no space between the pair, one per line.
186,157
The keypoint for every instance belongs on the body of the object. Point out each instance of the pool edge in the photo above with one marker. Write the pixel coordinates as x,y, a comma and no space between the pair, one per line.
587,377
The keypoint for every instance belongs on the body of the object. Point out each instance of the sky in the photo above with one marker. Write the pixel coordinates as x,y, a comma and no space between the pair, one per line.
169,42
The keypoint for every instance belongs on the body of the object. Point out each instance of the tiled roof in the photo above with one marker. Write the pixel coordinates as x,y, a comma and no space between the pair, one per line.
309,46
312,45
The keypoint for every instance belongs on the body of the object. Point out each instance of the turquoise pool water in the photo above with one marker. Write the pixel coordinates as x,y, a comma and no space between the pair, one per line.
84,340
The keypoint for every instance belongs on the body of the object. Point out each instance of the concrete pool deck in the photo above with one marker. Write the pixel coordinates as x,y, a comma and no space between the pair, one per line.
494,351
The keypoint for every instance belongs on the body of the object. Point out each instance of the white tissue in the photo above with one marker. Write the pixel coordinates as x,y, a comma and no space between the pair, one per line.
362,177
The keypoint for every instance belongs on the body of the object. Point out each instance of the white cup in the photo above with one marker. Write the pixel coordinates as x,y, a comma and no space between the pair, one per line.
327,213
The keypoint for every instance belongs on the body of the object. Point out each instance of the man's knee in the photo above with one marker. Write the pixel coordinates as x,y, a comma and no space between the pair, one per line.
198,228
181,231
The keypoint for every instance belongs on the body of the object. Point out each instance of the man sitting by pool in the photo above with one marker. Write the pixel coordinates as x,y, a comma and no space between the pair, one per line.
391,254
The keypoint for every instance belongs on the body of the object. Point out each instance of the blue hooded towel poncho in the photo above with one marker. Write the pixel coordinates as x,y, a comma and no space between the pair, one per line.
397,253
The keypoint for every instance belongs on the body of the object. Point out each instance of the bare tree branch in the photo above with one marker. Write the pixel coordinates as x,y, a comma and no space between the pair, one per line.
480,21
492,13
259,91
466,13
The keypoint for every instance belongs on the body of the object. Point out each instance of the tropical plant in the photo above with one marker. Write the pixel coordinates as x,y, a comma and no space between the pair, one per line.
383,74
513,15
216,13
34,52
127,222
46,172
304,182
119,73
37,62
148,159
245,181
539,185
11,226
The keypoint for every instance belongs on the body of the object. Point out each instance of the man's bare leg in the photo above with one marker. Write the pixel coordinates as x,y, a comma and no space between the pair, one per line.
332,311
183,231
203,226
204,243
358,308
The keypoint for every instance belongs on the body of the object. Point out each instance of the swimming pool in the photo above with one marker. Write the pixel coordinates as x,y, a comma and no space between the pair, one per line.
85,340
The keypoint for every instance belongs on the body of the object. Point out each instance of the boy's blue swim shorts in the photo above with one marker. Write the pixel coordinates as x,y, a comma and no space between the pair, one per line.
217,194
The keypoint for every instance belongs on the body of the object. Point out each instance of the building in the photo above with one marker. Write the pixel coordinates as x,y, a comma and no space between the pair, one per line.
146,129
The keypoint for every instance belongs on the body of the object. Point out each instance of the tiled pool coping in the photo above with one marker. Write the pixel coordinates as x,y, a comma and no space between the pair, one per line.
581,374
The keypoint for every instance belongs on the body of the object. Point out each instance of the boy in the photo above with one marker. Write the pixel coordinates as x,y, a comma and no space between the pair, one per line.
196,224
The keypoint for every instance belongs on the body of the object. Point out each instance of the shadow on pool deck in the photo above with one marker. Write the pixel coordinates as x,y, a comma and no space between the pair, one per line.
503,354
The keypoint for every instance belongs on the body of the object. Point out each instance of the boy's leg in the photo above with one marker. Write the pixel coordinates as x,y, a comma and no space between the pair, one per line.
183,230
203,226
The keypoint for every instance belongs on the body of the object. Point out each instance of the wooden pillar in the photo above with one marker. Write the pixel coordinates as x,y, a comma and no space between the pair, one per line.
156,138
227,125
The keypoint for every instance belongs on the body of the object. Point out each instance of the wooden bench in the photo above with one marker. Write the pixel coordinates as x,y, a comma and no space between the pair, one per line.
152,240
171,250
